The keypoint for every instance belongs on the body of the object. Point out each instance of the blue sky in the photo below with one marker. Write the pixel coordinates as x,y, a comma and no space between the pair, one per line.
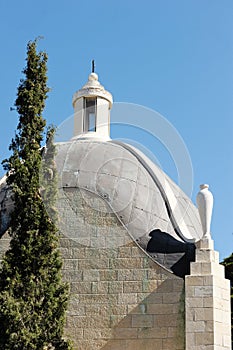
173,56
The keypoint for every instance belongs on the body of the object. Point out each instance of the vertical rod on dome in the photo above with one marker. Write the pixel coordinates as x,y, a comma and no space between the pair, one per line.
93,66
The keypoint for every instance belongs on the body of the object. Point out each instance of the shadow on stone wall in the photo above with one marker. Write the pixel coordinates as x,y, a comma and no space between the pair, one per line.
157,322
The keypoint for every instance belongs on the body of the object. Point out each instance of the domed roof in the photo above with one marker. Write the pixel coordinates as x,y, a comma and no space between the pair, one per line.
139,193
155,211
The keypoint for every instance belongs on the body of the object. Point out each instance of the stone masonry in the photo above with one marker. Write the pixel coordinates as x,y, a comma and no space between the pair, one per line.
207,302
119,297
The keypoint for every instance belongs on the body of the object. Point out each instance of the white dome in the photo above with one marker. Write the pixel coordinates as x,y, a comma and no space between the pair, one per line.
137,191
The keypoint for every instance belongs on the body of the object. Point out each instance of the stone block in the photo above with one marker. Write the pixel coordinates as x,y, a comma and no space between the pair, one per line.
126,263
168,320
190,340
208,302
203,291
204,338
105,309
206,268
98,298
226,341
189,291
78,253
226,317
133,286
81,287
172,331
121,321
153,333
115,287
216,281
74,332
207,256
194,302
166,286
131,274
77,322
139,344
218,338
209,326
153,274
190,314
97,333
72,276
95,263
75,309
221,304
140,309
213,268
125,252
114,344
142,321
70,264
125,333
197,326
86,344
205,243
203,314
127,298
171,298
99,287
91,275
149,285
178,284
107,253
173,344
108,275
137,252
195,269
164,309
140,274
150,298
191,280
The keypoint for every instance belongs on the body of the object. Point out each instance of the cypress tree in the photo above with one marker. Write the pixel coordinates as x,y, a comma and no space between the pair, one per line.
33,298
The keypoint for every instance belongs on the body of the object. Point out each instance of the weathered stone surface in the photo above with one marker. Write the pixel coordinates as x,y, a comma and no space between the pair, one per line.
119,297
125,300
207,302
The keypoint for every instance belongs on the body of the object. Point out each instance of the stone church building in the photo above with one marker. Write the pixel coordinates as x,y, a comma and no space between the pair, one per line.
139,258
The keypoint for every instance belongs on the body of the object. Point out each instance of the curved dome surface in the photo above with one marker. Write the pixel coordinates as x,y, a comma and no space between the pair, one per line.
142,196
148,204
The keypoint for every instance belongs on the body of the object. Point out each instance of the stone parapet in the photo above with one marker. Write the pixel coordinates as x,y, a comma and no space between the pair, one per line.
207,302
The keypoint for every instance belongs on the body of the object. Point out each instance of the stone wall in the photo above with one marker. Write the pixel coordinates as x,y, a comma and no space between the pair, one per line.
207,300
119,297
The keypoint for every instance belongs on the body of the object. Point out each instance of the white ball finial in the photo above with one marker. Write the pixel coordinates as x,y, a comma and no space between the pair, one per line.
93,76
205,206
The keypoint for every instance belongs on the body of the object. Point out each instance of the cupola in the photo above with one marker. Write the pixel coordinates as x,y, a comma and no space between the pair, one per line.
92,104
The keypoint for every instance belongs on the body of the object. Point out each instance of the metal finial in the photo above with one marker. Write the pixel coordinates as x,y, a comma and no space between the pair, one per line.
93,66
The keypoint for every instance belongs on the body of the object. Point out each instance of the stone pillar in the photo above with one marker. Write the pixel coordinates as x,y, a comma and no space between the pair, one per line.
207,301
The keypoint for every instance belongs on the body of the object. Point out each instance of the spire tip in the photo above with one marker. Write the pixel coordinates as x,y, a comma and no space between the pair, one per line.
93,66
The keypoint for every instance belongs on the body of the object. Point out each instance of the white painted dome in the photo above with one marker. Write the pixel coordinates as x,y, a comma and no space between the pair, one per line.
137,191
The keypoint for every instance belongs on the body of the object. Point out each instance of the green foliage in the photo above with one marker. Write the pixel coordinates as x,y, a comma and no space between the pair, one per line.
228,263
33,298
